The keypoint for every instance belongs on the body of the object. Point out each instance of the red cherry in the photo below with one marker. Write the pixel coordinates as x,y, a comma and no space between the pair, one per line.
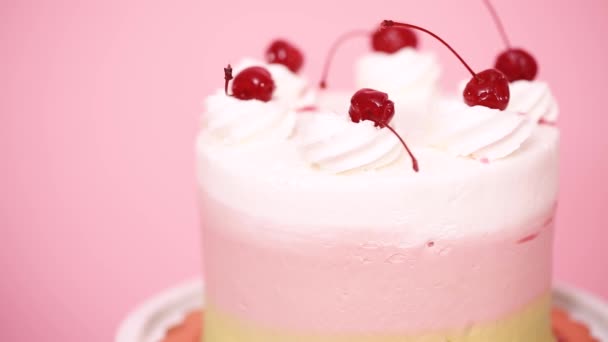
375,106
393,39
253,83
384,39
516,64
283,52
488,88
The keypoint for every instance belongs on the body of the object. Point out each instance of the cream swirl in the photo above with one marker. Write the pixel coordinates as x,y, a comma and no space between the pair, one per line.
410,78
233,121
478,132
335,101
290,88
334,143
534,99
402,71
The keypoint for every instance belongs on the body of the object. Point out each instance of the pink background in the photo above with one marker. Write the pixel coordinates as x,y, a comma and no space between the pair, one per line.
99,105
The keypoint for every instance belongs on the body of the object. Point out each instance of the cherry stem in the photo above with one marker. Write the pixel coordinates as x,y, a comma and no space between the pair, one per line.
414,160
332,52
498,22
389,23
227,77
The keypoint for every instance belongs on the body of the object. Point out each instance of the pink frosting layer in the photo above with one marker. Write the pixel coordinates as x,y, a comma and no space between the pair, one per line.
362,281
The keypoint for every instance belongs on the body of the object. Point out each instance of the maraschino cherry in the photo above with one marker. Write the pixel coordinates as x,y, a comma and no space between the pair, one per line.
282,52
515,63
393,39
252,83
489,88
375,106
384,39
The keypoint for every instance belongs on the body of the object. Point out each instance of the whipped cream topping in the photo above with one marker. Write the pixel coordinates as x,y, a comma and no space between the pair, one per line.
290,88
410,78
334,143
335,101
233,121
533,98
406,73
479,132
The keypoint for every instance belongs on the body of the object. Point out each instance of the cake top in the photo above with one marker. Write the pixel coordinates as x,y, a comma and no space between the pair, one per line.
276,147
270,101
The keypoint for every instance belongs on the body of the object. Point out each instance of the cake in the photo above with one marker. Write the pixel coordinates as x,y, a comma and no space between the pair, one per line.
322,224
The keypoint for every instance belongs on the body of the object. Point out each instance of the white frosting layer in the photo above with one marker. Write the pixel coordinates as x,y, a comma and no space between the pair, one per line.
232,121
333,142
533,98
290,88
404,72
335,101
411,79
478,132
449,198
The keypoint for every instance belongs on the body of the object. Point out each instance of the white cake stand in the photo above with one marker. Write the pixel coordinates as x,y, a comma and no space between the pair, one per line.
150,321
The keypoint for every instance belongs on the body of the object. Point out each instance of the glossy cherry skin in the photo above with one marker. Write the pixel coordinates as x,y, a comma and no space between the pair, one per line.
373,105
253,83
392,39
283,52
489,88
517,64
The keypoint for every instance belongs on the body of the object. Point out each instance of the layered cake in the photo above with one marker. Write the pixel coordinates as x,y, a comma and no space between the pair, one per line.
327,223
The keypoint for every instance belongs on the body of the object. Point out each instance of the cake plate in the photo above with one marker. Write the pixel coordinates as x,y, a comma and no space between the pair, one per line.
150,321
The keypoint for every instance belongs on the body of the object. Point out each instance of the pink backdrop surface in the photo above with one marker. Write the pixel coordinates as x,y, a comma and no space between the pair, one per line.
100,103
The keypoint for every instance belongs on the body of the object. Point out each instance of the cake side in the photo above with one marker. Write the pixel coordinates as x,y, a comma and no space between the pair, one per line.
364,283
355,256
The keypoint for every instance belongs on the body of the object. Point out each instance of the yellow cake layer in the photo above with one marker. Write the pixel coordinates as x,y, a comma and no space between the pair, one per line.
531,324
